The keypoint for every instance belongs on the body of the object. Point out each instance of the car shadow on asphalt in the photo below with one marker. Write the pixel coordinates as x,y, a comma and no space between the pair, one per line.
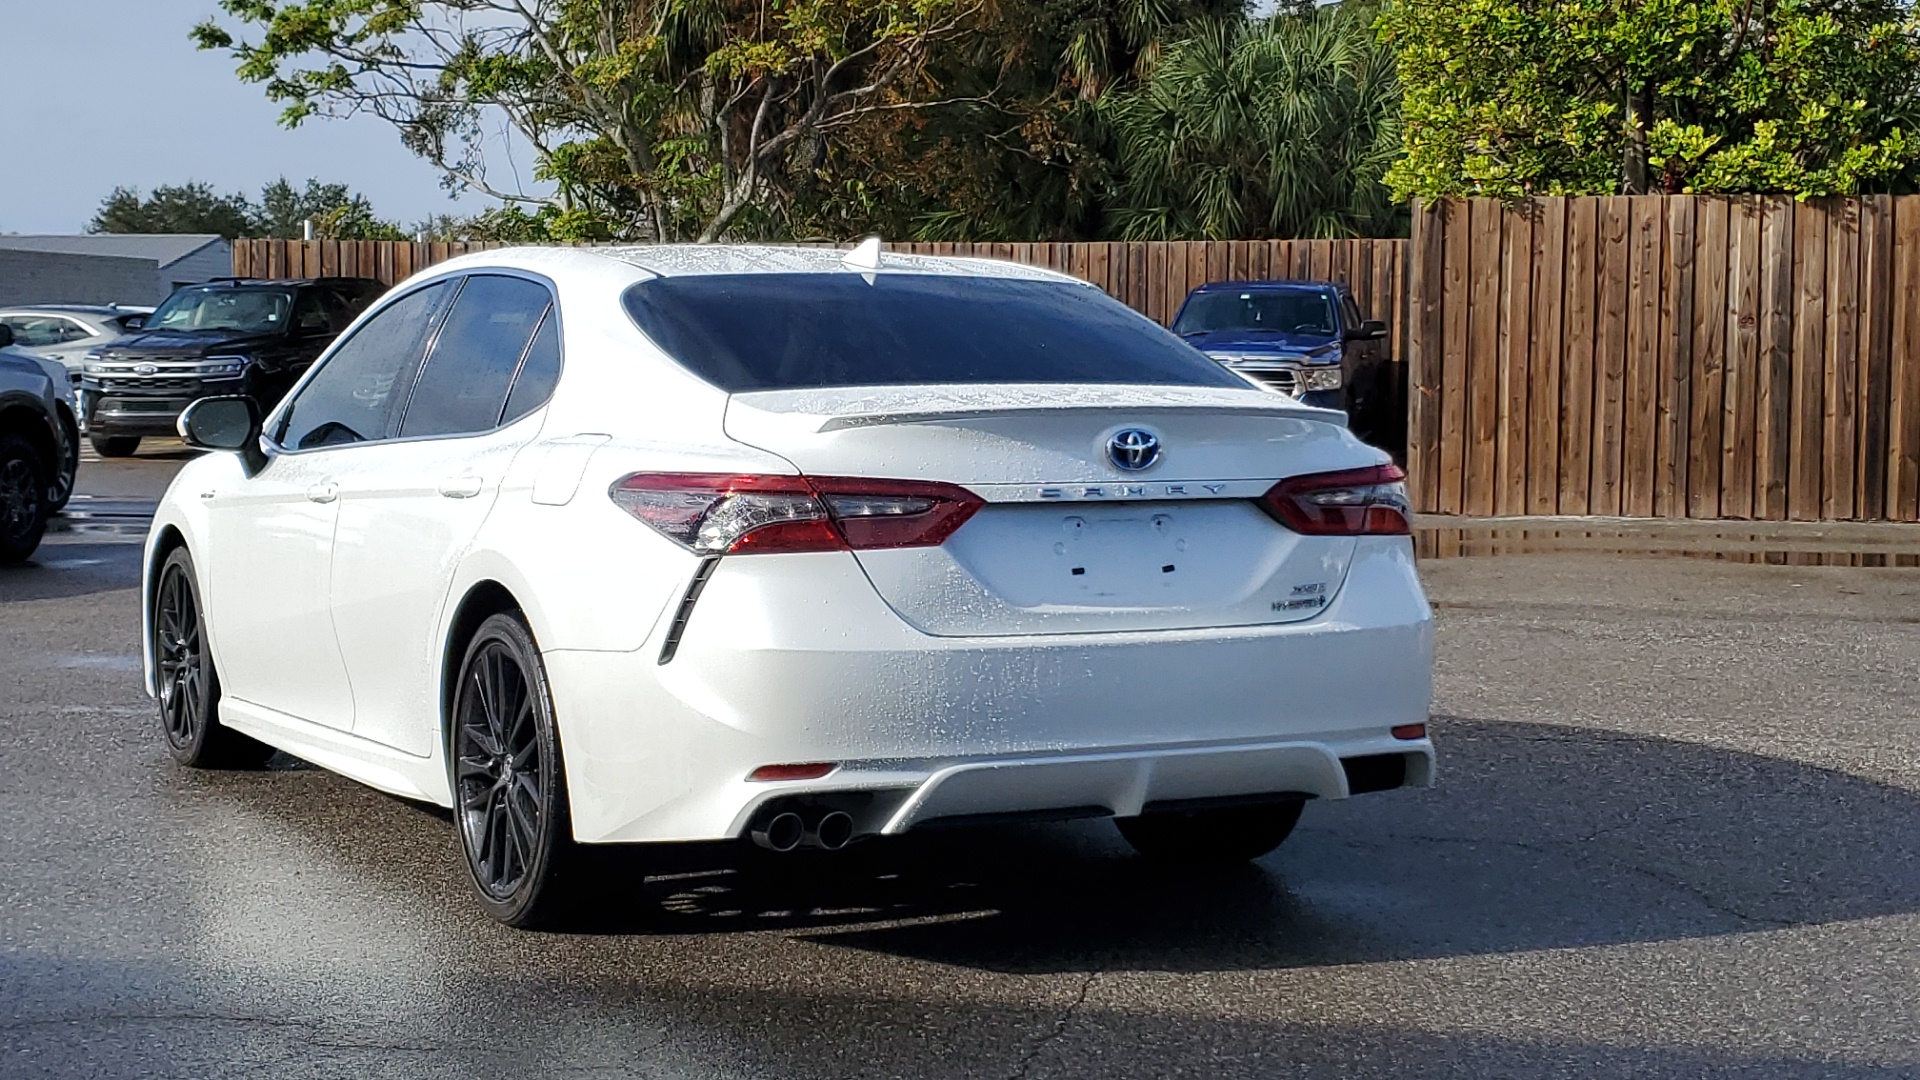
62,569
1537,837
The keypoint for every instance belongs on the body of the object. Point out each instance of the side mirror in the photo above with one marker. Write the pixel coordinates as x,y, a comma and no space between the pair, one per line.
134,322
1371,330
229,422
6,335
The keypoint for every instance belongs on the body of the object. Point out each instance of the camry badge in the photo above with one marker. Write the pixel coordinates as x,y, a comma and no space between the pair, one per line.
1133,449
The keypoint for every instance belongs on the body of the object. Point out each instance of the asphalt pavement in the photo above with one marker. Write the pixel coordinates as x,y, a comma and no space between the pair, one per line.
1676,833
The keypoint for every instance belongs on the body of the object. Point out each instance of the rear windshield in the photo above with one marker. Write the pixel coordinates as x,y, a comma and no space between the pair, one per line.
745,332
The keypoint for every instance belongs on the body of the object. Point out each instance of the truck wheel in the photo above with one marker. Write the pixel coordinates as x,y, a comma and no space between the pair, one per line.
60,485
23,498
114,445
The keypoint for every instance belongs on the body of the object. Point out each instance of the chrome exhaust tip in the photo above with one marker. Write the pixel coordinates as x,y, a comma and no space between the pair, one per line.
833,831
781,832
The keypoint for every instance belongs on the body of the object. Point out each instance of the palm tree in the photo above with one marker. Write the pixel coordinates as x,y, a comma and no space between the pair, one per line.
1277,128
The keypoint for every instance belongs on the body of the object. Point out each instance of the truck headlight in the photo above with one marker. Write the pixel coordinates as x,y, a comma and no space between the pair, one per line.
223,365
1320,378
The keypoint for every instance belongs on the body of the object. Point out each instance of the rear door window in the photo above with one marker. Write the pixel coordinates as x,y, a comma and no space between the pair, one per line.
464,386
745,332
539,372
360,388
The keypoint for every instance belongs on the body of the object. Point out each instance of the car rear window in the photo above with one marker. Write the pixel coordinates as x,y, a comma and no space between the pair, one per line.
745,332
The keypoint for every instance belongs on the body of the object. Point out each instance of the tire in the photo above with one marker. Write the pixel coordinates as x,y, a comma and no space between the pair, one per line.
1227,835
509,784
188,685
114,445
61,488
23,498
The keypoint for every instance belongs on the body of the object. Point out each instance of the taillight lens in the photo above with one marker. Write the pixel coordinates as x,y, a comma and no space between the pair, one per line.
1352,502
722,514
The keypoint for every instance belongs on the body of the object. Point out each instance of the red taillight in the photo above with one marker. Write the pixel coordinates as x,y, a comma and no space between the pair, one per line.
720,514
812,770
1352,502
1410,731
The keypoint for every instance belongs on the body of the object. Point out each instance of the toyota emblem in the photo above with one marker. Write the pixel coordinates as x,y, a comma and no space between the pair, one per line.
1133,449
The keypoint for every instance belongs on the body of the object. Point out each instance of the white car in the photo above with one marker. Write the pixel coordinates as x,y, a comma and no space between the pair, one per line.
697,543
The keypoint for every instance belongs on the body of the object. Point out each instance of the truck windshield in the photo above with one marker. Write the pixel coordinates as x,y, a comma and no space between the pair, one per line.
1286,311
217,308
745,332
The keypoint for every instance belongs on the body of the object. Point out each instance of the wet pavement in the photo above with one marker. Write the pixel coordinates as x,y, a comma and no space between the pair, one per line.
1676,833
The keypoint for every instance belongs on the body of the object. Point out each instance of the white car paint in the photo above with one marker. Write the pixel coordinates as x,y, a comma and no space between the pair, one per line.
951,680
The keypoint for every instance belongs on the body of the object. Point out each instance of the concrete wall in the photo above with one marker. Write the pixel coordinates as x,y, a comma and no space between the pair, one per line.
212,261
43,277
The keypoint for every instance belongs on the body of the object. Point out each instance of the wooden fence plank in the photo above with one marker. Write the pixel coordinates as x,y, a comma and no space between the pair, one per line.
1743,358
1483,355
1609,355
1773,393
1903,381
1577,356
1544,341
1676,360
1875,346
1426,348
1454,295
1838,370
1805,412
1640,422
1516,294
1706,410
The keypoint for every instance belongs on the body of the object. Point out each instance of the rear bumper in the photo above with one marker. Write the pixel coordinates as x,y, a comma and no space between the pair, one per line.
800,667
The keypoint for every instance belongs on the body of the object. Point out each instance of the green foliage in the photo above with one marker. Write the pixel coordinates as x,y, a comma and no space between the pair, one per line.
1282,128
283,210
1515,97
192,207
336,213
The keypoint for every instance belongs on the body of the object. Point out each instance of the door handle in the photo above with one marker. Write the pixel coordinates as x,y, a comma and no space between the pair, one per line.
460,487
323,493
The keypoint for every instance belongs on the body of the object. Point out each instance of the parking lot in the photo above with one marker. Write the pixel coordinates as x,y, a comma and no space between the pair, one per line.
1676,833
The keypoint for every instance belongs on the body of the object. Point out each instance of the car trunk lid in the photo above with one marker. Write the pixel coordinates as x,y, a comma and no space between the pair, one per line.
1068,541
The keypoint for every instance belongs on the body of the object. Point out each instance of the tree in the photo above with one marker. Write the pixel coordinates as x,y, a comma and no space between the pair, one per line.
187,208
336,213
334,210
667,118
1280,128
1514,97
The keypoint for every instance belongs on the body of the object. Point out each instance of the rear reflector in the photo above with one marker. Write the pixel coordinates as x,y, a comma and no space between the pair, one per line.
812,770
721,514
1410,731
1351,502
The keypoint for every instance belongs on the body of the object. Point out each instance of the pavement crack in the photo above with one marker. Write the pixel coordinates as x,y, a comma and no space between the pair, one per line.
1059,1028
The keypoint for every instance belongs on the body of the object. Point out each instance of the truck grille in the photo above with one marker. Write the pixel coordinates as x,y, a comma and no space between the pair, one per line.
1282,380
147,384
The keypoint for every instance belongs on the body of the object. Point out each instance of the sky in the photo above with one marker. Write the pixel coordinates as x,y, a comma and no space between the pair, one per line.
106,93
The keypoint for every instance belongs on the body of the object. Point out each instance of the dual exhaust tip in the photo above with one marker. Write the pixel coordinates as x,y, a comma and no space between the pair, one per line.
787,830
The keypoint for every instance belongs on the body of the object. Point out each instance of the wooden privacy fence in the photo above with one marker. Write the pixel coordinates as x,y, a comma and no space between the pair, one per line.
1671,356
1151,277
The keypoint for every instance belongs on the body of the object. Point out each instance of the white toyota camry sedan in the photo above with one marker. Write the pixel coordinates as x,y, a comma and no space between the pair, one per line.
665,544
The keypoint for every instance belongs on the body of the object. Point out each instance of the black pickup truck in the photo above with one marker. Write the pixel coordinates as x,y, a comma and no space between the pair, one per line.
226,337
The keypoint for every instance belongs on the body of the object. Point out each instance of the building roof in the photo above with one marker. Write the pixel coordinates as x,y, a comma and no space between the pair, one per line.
163,249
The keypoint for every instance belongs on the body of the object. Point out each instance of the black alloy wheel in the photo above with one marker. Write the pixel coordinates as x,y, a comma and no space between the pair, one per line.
1225,835
189,688
509,787
23,498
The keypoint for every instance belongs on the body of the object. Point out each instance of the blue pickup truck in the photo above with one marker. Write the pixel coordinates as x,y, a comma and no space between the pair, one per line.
1305,339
